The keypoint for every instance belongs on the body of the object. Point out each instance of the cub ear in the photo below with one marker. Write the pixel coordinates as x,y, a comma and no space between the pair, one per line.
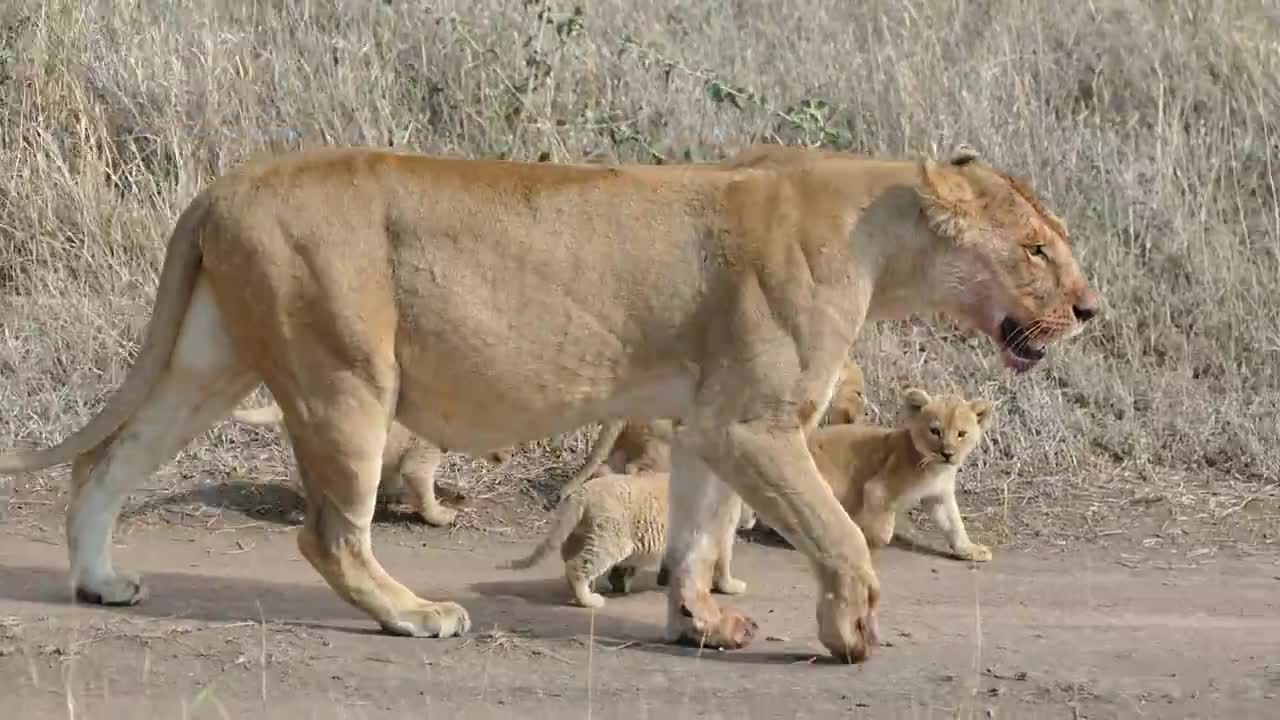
916,399
948,199
984,410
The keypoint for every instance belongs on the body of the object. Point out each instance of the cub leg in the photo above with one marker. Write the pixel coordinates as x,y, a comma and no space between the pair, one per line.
601,550
418,470
723,580
876,518
620,578
945,513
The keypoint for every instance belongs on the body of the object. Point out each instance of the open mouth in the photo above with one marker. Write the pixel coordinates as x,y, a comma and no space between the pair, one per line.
1019,352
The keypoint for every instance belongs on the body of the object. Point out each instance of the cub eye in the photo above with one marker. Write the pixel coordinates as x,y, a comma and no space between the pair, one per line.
937,431
962,433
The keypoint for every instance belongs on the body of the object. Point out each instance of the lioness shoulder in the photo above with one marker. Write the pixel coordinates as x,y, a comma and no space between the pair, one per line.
877,471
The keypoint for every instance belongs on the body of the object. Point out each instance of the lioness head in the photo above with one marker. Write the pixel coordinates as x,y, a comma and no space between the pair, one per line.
1006,267
945,429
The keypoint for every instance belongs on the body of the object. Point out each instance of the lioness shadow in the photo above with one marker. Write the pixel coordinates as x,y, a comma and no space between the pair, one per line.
274,503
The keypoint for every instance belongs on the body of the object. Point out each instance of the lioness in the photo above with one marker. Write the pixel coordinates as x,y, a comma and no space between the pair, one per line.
877,471
408,463
618,523
366,285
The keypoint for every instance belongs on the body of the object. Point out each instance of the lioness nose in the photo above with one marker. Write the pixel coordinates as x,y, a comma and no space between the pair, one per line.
1086,307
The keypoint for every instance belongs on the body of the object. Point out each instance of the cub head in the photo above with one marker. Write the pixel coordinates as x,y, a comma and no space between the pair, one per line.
945,429
849,402
1004,265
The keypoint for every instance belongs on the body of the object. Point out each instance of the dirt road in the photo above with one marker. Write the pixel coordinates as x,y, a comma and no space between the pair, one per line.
238,625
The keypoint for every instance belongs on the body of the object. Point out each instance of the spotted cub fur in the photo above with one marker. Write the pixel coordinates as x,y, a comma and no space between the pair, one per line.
618,524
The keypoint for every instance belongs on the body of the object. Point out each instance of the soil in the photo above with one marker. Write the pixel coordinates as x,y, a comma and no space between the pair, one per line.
238,625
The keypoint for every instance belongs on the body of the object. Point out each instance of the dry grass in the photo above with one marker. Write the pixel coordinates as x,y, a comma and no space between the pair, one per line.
1152,127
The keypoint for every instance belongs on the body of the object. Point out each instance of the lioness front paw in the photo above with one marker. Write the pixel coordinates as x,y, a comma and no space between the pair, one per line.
430,619
848,633
973,552
119,589
729,586
723,629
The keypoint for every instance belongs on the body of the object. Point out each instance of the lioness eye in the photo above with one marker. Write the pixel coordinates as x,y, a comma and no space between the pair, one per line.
937,432
1038,251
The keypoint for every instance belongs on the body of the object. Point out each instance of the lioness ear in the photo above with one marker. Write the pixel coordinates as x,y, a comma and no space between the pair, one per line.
964,154
916,399
983,409
947,198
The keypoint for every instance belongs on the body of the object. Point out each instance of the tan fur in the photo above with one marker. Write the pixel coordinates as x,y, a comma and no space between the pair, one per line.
408,463
617,523
849,403
368,285
876,472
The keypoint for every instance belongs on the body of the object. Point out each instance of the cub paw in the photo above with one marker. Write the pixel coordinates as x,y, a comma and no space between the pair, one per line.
438,515
729,586
974,552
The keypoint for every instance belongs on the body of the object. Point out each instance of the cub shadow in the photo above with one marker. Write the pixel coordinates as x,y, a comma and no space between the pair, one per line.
762,534
913,544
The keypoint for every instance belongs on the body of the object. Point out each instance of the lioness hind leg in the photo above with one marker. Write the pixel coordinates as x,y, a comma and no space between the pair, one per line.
339,457
202,385
418,470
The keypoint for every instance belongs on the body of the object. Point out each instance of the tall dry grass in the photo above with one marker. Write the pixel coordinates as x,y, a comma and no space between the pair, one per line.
1151,126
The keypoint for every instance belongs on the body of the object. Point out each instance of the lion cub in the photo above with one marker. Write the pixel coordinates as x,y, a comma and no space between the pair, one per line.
408,462
617,524
849,402
877,471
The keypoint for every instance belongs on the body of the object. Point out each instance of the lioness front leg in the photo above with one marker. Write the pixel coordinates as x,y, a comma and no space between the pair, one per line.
945,513
771,469
700,513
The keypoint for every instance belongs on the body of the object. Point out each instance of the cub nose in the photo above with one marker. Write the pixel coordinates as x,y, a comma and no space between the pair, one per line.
946,455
